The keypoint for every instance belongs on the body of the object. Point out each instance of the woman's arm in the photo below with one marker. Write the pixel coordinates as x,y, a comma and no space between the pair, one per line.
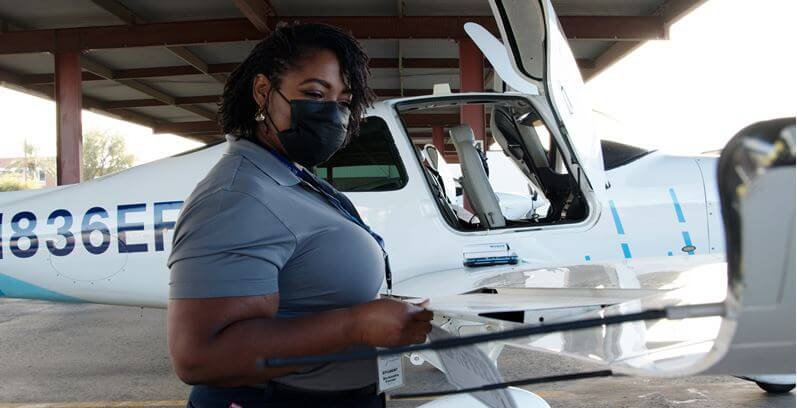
217,341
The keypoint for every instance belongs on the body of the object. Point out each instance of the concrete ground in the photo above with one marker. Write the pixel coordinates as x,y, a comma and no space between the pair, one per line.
80,356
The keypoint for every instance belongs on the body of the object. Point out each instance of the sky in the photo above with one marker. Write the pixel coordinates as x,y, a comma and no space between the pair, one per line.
25,117
727,64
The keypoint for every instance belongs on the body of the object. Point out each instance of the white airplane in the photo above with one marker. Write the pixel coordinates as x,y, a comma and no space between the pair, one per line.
590,229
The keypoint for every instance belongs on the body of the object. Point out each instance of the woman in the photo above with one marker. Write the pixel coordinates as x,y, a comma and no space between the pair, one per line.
269,261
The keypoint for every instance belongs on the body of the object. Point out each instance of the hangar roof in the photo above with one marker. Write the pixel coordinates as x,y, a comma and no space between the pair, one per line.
163,63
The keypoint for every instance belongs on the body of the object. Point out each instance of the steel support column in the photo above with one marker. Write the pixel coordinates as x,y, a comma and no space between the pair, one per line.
69,140
471,79
437,139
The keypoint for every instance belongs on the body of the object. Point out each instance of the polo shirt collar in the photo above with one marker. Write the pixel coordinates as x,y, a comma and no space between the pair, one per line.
263,159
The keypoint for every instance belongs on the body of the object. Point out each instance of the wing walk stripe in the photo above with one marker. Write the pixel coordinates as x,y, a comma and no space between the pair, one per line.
678,210
617,223
687,241
626,250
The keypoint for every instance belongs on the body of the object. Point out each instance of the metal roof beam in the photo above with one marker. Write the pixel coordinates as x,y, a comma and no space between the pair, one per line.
119,10
411,120
129,17
138,73
7,25
217,69
148,90
437,63
616,28
10,77
191,100
195,61
140,103
173,70
258,12
42,79
96,68
188,127
107,73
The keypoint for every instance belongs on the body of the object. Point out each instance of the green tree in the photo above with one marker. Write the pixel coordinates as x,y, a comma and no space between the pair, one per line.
29,162
104,153
25,177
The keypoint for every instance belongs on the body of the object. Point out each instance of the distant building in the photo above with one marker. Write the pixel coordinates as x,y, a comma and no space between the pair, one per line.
40,177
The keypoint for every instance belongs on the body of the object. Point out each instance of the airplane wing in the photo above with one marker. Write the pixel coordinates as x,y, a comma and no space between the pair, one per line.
651,348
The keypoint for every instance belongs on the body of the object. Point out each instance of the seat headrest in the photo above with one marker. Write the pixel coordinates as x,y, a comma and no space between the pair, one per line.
507,141
430,154
462,134
503,120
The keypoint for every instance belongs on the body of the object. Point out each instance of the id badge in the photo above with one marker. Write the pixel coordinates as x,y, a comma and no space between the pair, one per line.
391,373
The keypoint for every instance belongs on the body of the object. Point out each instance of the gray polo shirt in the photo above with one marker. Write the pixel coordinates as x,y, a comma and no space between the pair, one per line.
251,228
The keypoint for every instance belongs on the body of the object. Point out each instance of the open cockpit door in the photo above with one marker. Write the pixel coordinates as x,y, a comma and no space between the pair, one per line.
537,57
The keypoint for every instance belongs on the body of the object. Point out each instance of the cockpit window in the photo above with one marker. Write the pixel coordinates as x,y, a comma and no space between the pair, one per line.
370,162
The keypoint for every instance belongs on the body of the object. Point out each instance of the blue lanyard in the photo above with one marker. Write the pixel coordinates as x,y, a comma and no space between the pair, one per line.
311,180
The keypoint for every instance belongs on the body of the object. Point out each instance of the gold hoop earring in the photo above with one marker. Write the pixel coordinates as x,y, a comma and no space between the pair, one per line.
260,115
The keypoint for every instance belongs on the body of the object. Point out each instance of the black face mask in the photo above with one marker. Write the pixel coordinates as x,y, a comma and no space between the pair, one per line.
318,129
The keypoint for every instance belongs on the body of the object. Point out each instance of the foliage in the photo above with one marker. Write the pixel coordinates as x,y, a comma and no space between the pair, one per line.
29,162
104,153
12,182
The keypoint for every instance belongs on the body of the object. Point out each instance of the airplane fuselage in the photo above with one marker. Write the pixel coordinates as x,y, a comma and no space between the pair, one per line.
107,240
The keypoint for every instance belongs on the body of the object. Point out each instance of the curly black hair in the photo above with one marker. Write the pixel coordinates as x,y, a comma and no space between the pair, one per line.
280,51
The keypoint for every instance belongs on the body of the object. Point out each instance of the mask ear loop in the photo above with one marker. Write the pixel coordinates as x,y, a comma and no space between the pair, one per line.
268,115
281,94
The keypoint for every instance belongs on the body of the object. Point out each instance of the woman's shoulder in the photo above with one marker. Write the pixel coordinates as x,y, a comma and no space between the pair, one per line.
249,179
231,173
226,212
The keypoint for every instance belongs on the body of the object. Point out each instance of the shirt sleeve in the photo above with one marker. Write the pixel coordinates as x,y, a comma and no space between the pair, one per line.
228,244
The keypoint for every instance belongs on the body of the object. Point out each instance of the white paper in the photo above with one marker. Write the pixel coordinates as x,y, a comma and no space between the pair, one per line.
391,373
468,367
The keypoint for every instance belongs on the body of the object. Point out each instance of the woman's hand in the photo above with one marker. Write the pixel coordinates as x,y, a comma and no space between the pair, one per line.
389,323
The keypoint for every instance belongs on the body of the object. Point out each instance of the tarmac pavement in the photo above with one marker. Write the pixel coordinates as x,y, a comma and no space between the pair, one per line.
87,356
